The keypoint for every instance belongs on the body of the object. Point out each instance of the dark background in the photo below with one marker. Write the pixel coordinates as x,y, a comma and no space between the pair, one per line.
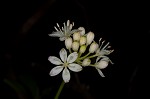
25,47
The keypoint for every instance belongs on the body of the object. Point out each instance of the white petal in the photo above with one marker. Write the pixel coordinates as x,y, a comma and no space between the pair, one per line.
100,72
72,57
56,34
66,75
75,67
62,38
55,60
63,54
56,70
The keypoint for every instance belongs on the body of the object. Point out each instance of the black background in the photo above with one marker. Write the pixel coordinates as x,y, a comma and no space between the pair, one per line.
25,46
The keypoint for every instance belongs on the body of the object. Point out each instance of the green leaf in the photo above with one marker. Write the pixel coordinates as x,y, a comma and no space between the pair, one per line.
31,84
16,86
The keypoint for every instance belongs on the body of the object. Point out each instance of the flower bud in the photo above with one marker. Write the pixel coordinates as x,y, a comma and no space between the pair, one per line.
76,36
90,38
93,47
82,30
68,43
86,62
102,64
82,49
82,40
75,46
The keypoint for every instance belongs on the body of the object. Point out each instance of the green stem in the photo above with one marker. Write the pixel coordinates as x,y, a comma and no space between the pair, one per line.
84,56
92,56
59,90
70,50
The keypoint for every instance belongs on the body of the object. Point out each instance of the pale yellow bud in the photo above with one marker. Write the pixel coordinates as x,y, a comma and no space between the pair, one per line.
82,30
75,46
90,38
82,49
82,40
102,64
86,62
76,36
68,43
93,47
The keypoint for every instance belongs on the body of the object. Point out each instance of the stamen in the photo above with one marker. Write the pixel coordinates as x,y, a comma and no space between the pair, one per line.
70,27
57,24
101,45
100,40
55,28
105,45
68,22
58,27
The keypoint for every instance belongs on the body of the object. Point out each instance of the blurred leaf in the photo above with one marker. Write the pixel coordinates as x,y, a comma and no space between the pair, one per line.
17,87
31,84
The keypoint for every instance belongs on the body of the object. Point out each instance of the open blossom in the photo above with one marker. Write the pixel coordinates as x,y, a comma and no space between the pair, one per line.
64,64
64,32
101,64
103,50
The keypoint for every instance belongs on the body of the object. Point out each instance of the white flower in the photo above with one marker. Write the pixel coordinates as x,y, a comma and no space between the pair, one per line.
103,50
67,62
63,32
103,63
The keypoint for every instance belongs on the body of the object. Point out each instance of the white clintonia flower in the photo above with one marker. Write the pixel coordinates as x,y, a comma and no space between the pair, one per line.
103,50
64,32
67,62
103,63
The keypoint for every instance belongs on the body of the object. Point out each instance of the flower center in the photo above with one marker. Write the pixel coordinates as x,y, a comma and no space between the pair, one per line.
65,64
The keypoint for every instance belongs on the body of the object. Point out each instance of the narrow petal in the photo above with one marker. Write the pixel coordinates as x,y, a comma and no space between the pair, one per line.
66,75
75,67
56,70
100,72
72,57
63,54
62,38
56,34
55,60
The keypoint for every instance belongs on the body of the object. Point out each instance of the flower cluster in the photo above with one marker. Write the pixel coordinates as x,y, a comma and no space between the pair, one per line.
81,47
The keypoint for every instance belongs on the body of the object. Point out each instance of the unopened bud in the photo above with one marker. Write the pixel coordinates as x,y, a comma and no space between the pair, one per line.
68,43
76,36
82,49
82,30
90,38
82,40
86,62
75,46
102,64
93,47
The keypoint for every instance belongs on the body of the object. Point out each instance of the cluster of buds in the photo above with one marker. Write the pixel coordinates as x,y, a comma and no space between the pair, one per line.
81,47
